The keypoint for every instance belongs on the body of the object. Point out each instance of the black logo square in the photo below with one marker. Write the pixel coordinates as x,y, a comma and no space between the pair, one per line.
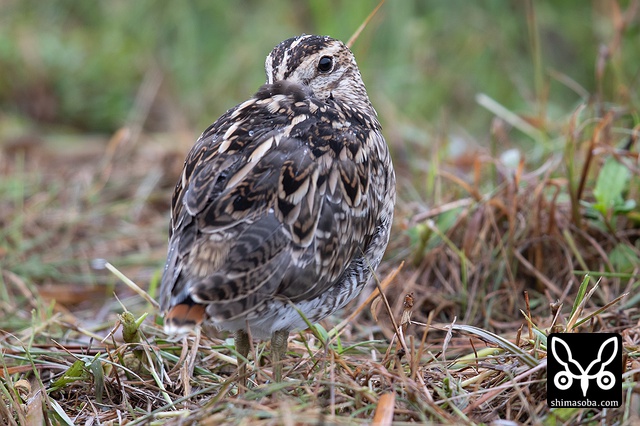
584,370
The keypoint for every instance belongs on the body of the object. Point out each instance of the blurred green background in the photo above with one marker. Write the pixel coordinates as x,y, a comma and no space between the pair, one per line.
75,65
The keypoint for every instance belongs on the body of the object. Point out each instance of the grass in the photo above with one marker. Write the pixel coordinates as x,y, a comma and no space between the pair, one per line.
514,134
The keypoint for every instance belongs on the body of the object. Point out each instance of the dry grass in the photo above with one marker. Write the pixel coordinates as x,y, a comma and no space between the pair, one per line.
420,356
509,249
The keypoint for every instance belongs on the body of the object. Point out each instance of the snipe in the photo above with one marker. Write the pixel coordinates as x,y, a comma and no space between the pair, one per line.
284,203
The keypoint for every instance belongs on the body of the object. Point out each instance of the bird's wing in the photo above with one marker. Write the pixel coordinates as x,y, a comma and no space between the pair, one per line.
275,200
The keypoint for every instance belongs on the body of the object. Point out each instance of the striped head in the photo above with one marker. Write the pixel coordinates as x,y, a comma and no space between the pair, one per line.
322,64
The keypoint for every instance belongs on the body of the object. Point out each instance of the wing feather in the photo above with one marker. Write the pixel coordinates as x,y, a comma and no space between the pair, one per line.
275,211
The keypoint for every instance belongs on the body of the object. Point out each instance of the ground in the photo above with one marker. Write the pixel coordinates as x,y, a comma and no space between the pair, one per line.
525,227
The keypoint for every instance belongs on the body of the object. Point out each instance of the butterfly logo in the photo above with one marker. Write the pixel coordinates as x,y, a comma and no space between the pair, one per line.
564,379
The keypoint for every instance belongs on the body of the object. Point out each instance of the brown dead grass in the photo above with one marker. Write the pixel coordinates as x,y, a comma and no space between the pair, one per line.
458,337
112,203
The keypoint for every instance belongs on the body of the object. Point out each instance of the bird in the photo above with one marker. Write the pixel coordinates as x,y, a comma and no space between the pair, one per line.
284,206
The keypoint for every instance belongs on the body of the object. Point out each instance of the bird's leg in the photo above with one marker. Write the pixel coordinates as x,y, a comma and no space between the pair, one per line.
278,350
241,340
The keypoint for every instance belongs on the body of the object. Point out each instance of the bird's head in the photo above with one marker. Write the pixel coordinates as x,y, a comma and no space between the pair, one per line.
322,64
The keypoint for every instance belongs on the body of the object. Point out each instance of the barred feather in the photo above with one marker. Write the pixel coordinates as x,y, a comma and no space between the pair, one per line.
285,202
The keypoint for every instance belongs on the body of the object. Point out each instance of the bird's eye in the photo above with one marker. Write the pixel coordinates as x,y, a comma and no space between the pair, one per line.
325,64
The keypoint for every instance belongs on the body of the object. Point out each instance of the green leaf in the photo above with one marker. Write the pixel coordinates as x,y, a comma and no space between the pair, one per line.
444,222
95,366
582,290
625,207
75,373
611,183
623,259
64,417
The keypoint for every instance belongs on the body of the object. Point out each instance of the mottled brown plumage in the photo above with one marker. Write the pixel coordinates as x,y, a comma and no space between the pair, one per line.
285,202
